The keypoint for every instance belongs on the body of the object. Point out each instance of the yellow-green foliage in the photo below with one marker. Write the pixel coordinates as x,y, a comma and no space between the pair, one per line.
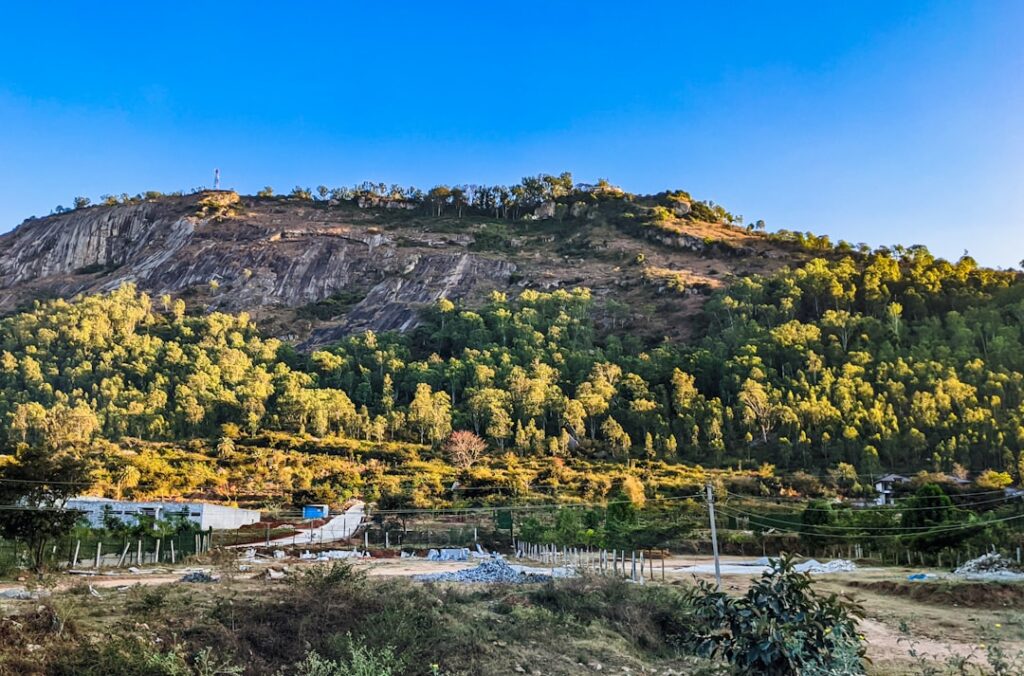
877,361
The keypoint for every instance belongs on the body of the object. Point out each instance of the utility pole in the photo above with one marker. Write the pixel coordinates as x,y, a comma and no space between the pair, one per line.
714,536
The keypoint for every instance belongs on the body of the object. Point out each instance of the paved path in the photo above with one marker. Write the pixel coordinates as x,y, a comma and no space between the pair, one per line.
340,527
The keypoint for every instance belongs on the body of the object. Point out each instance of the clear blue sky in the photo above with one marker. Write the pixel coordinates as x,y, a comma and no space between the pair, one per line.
881,122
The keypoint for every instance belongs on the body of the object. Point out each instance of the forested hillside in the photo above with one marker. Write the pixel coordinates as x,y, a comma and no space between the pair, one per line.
886,359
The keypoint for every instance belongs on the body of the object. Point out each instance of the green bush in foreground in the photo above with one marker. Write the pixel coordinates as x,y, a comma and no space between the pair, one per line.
780,627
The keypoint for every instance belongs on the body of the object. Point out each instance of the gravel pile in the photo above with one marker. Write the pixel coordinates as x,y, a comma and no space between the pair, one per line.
199,576
990,565
487,572
833,566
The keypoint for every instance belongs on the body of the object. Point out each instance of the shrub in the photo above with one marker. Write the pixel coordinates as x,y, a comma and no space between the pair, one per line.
781,626
330,576
990,479
362,661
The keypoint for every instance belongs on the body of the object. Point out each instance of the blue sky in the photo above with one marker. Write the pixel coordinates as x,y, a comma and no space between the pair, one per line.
887,122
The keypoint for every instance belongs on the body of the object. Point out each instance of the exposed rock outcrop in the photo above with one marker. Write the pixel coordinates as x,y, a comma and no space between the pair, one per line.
263,257
311,271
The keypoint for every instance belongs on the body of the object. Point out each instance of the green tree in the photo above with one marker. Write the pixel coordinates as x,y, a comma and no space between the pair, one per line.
37,486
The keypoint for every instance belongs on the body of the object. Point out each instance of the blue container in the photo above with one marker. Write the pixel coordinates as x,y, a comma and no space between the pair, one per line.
315,512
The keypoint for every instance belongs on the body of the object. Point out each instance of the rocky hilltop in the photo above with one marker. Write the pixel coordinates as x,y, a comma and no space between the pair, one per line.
314,270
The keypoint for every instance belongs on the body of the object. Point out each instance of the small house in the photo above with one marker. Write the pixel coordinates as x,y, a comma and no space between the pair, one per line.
885,487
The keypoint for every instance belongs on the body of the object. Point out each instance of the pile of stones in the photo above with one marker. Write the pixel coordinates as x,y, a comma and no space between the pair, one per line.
489,572
992,564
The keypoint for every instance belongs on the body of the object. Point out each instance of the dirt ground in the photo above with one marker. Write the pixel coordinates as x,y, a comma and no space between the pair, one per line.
935,619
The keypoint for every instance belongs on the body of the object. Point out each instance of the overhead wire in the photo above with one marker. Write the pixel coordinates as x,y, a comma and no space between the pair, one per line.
898,508
763,518
863,533
785,498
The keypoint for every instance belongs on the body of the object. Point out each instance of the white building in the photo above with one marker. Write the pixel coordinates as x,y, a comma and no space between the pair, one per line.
885,487
203,514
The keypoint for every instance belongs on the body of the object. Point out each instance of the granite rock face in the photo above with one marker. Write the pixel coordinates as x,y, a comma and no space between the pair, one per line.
269,255
311,272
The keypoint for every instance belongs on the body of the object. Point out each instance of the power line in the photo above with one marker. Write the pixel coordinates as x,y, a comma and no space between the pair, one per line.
873,534
786,498
869,529
896,508
515,508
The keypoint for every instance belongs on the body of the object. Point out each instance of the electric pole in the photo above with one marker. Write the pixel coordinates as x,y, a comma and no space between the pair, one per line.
714,536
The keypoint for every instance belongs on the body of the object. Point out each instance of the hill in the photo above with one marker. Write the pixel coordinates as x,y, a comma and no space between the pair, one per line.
593,345
321,269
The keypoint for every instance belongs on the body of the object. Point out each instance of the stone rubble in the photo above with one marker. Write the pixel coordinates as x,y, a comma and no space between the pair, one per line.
991,565
833,566
23,594
200,576
495,571
333,555
452,554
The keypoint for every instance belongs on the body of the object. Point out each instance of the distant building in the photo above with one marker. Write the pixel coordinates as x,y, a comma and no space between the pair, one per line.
885,487
203,514
315,512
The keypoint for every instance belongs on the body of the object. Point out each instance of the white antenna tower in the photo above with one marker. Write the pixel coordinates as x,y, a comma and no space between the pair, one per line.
216,179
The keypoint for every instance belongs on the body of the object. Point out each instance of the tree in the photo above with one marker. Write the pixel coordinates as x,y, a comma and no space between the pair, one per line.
894,313
225,446
616,437
37,486
815,521
82,202
759,407
439,196
266,192
430,413
127,479
464,448
458,197
990,479
928,509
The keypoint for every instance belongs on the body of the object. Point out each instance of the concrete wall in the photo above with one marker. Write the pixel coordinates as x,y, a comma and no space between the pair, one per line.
220,517
204,515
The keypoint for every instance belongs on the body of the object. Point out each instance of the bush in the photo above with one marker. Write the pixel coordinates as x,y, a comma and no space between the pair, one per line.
329,577
362,661
780,627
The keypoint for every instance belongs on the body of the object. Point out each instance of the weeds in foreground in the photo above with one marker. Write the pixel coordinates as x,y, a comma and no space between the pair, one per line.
361,661
994,661
332,620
